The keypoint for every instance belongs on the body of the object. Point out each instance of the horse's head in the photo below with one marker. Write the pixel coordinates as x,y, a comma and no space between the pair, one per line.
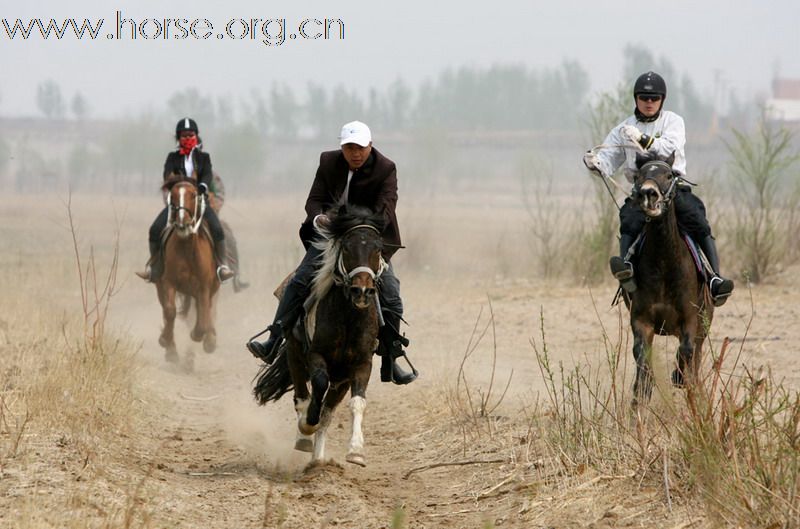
654,186
355,233
186,207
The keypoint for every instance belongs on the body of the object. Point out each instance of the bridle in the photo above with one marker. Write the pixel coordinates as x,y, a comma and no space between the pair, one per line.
344,277
666,195
174,210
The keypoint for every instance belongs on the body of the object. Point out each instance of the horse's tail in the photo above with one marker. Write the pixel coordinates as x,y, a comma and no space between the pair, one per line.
273,380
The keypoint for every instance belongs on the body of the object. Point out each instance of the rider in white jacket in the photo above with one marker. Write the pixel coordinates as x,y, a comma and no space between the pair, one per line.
663,132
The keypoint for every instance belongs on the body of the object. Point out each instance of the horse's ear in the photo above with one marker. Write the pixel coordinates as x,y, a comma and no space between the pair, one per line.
670,159
641,159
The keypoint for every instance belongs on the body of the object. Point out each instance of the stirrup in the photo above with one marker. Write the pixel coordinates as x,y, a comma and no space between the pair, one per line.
267,350
224,273
724,288
623,272
391,372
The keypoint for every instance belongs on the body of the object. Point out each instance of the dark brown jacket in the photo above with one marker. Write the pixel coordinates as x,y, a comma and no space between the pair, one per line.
374,185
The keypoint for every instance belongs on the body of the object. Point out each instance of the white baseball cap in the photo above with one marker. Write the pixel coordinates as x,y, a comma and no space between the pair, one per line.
355,132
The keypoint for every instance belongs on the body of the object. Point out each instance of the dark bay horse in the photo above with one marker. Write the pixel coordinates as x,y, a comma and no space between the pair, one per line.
671,298
331,348
189,266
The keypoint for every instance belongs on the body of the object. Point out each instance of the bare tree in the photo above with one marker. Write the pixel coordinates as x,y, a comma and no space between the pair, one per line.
765,205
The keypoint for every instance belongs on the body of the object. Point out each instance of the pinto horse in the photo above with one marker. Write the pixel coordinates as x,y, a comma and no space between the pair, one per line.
332,347
189,266
671,298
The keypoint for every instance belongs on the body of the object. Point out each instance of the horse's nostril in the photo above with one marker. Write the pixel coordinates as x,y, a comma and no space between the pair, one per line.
370,292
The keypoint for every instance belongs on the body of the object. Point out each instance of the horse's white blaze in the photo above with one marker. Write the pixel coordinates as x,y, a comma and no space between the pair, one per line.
357,406
181,205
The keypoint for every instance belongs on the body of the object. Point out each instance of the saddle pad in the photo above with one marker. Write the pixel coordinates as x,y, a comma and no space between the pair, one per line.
700,263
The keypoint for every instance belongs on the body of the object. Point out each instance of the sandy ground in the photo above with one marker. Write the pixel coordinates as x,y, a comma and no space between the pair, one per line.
208,456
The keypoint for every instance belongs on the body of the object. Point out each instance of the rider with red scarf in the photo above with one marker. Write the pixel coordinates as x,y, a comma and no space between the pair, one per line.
189,161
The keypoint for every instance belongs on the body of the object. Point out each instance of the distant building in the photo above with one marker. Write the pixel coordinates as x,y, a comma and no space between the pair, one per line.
785,102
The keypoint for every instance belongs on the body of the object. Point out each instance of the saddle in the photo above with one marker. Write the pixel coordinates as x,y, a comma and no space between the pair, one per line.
305,325
701,264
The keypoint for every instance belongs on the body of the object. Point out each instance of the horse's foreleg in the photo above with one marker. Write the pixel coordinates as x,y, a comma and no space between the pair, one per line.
319,386
332,399
166,295
355,450
642,352
358,403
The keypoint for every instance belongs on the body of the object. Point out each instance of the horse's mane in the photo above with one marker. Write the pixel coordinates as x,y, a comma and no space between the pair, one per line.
342,219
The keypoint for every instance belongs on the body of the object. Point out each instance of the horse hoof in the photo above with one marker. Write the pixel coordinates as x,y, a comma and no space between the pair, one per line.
163,342
304,445
210,343
196,335
356,459
171,356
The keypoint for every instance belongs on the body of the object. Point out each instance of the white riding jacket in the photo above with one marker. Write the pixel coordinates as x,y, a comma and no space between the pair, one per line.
668,133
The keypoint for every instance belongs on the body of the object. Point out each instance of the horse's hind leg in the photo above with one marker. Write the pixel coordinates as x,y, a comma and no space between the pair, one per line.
166,295
204,329
642,352
185,305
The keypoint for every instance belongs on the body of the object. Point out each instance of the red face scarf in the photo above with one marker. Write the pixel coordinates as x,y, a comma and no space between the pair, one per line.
187,144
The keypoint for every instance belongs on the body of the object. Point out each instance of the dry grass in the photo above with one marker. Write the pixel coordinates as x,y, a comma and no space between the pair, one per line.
68,409
724,452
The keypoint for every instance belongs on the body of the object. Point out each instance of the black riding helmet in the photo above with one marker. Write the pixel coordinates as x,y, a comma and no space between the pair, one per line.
649,83
186,124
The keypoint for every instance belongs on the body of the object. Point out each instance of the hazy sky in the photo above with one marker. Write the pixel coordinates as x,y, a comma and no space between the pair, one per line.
747,41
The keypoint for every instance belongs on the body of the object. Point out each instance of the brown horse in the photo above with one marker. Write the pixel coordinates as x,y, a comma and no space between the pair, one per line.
332,346
671,298
189,266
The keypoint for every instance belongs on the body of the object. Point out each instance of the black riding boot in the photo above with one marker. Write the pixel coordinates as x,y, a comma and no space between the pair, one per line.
391,344
720,287
289,309
621,266
155,266
220,255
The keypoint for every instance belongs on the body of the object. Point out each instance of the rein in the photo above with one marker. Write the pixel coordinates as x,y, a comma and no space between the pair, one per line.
594,150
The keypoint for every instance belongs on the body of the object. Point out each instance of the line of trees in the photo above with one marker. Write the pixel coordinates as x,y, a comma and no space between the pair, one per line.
508,97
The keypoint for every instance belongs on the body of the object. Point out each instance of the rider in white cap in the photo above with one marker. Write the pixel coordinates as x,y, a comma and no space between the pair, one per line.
356,174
